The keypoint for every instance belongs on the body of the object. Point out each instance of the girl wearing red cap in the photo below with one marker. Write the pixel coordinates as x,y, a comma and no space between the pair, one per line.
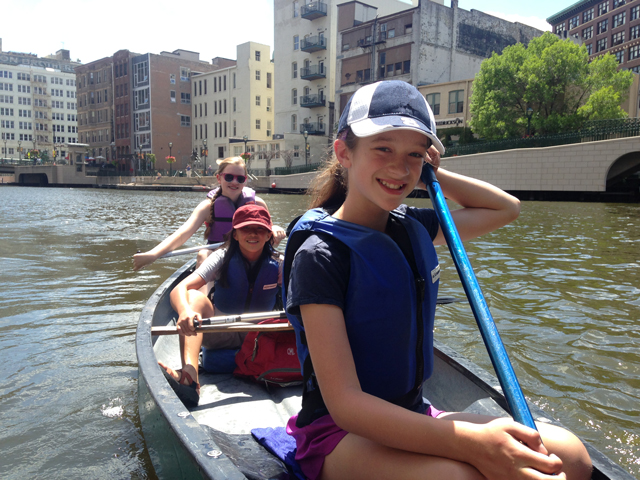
360,285
247,274
232,193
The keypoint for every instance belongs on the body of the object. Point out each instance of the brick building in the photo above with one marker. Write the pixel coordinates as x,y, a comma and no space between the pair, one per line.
131,105
603,26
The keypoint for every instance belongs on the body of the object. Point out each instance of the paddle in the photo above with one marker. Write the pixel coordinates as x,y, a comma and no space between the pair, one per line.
501,364
244,323
191,250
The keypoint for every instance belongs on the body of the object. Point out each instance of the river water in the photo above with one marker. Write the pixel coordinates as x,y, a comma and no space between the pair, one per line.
562,282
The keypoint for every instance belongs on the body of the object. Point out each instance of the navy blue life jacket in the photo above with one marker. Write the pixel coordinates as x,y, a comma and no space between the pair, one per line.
389,308
244,296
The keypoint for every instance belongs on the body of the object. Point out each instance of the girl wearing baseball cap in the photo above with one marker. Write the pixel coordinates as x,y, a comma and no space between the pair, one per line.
360,283
247,273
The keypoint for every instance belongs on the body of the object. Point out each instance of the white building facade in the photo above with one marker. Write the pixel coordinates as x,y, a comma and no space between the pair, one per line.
38,106
305,37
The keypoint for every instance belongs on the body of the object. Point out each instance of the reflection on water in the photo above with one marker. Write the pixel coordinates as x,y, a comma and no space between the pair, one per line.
562,283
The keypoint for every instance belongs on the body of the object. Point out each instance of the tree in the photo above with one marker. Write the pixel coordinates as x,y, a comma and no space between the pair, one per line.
555,79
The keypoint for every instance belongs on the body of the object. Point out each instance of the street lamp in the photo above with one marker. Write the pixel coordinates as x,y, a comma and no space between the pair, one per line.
529,114
305,134
20,149
5,148
170,147
204,152
139,156
245,138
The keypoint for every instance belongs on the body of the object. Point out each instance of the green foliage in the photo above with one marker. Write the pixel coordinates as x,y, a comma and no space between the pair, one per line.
554,78
465,135
151,157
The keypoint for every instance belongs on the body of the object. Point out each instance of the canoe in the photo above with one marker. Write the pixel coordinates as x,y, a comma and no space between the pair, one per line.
214,441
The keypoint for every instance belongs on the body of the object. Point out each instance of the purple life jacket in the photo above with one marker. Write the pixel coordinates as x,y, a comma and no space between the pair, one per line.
223,210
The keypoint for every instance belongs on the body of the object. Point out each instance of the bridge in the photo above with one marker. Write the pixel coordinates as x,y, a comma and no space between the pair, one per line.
599,170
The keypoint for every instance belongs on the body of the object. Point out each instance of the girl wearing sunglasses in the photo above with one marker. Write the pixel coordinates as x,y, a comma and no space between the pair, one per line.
216,212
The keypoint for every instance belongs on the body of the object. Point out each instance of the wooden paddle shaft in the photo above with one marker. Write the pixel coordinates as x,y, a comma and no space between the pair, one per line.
234,327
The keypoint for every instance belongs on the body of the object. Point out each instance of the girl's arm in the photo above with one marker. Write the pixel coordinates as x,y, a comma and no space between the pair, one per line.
493,448
180,302
485,207
177,238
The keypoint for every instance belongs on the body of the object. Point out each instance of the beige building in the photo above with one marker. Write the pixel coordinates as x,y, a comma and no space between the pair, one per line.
449,102
234,104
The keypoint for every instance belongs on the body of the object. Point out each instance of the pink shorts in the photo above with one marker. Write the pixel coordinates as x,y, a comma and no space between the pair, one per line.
317,440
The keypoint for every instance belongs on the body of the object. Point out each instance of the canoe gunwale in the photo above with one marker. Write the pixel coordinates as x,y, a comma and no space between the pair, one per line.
186,429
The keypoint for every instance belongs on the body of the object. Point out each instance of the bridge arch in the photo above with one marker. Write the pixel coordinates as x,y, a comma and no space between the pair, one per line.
621,174
33,179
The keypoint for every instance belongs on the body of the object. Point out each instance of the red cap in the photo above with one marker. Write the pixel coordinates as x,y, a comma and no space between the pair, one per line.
252,215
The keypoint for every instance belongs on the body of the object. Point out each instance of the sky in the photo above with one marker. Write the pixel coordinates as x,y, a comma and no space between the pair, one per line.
93,29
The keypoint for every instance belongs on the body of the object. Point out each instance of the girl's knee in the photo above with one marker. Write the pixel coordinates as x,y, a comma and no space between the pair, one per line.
575,458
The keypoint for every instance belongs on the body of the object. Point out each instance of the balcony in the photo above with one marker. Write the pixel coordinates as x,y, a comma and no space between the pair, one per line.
316,128
313,10
312,101
313,44
313,72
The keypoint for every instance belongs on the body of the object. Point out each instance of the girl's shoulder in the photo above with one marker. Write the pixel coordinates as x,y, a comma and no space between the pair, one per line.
425,216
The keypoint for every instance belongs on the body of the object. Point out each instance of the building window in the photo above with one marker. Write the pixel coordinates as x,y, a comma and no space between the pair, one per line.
634,32
235,129
434,101
618,20
257,74
185,121
234,104
617,38
257,55
587,33
635,12
185,98
296,151
620,56
619,3
574,22
456,101
268,80
172,79
184,74
296,10
635,69
590,49
268,104
634,52
172,94
603,8
296,42
294,70
257,100
560,28
234,80
603,26
294,123
294,96
257,124
601,45
205,86
268,129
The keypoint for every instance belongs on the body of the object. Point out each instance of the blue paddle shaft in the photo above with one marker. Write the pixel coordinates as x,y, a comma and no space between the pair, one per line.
501,364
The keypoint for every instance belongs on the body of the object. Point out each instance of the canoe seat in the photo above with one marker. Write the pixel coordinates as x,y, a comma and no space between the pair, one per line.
252,459
486,406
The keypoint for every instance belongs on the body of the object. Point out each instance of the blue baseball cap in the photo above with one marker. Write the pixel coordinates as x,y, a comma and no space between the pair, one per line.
389,105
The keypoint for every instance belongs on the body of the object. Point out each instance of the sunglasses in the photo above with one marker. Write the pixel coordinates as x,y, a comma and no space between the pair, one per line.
229,178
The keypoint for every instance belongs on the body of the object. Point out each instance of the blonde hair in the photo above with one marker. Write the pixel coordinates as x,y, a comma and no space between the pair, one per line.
221,166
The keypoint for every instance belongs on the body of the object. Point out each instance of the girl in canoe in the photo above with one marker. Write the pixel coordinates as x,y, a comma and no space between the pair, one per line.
361,279
247,273
216,212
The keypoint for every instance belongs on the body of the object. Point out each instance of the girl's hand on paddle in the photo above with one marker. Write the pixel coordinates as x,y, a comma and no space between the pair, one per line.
142,260
510,451
432,157
279,234
185,322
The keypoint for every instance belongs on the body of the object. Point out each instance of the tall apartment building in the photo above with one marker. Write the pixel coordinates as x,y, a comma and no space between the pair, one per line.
305,36
234,103
609,26
37,104
131,105
430,44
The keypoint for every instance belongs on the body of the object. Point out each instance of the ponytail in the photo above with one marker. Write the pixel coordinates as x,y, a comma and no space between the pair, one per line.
328,189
